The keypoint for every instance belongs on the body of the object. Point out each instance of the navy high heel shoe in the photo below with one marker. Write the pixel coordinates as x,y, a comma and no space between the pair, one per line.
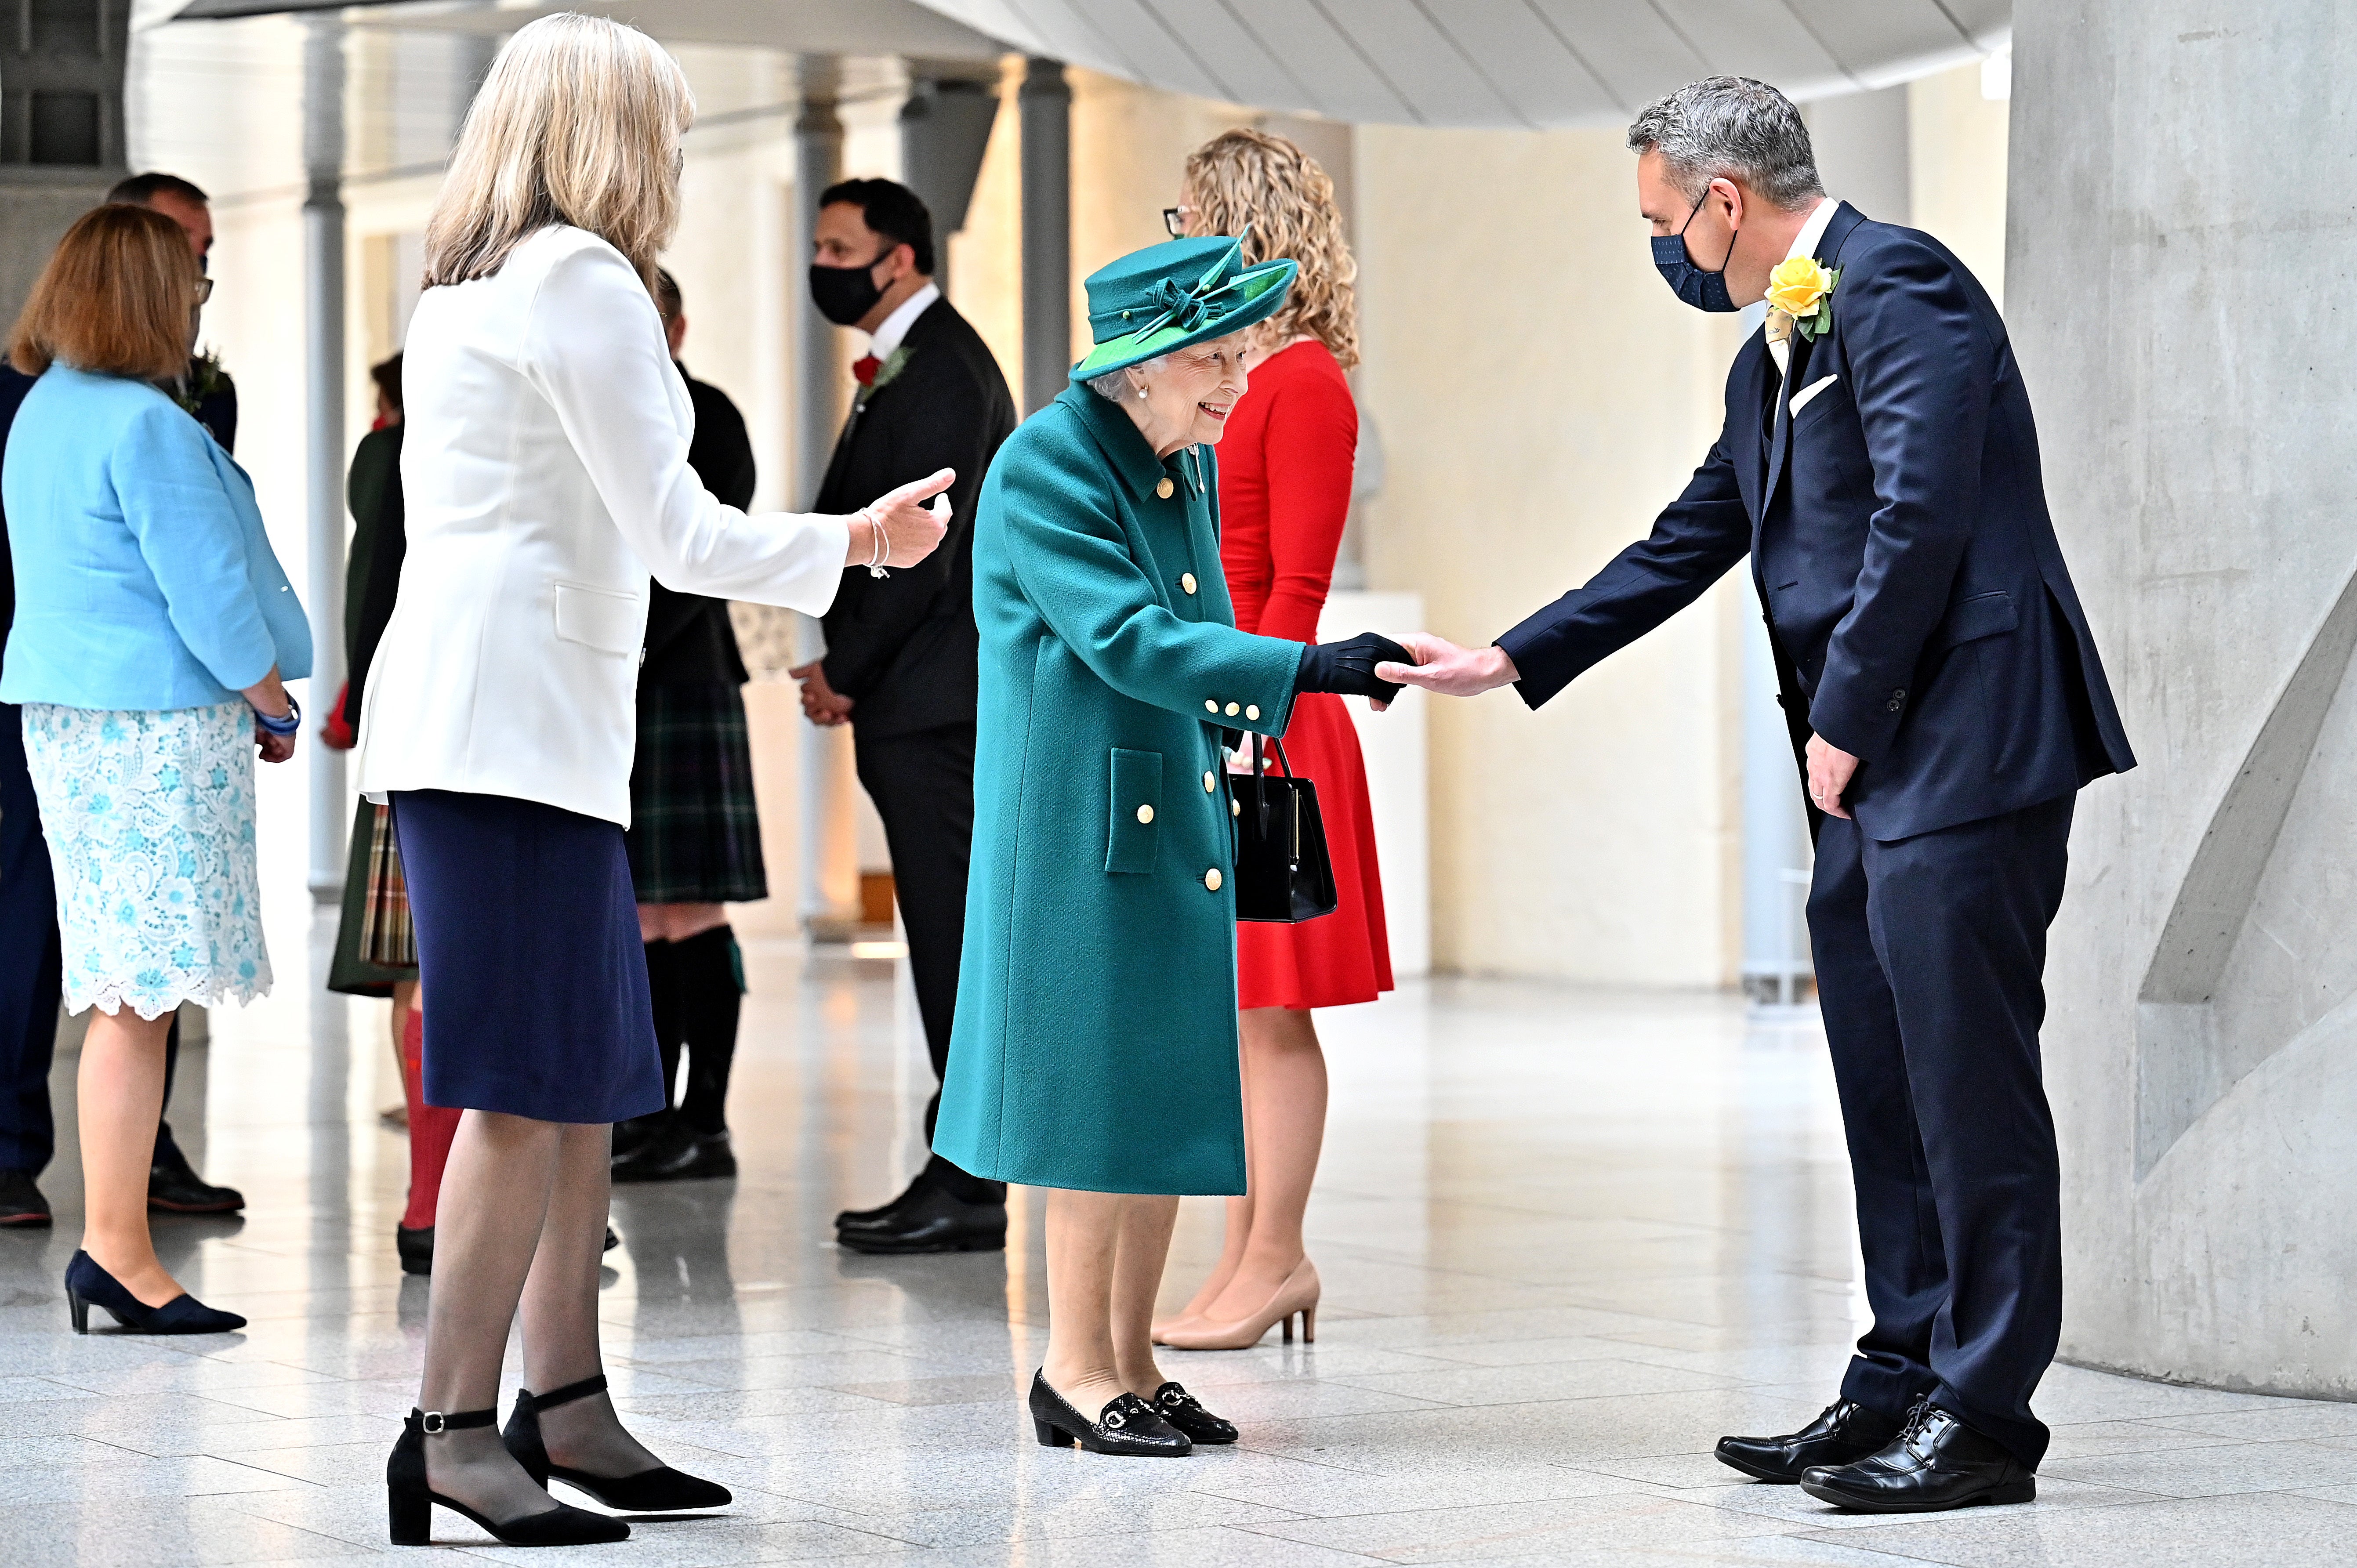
88,1285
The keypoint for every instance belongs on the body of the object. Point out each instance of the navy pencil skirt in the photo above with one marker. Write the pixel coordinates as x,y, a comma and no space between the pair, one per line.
533,976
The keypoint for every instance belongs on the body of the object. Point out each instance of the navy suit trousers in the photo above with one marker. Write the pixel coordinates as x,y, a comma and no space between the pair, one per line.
1930,954
30,963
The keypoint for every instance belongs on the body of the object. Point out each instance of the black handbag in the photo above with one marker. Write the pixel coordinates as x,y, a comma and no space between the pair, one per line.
1283,873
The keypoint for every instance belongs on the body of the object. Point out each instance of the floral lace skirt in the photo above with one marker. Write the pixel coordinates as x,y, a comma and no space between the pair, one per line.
150,822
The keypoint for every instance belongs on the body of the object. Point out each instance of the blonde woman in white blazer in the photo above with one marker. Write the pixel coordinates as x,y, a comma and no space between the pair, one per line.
545,471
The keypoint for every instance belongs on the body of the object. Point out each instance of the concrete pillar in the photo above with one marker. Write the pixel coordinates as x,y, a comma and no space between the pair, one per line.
830,857
1046,100
2181,260
323,401
60,127
944,131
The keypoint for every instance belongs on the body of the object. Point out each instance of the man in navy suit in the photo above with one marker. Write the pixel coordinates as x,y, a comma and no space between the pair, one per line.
1879,464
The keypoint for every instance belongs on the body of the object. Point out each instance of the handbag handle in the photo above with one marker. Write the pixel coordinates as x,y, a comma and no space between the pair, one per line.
1282,760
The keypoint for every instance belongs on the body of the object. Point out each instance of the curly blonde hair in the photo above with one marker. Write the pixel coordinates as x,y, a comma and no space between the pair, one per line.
1249,182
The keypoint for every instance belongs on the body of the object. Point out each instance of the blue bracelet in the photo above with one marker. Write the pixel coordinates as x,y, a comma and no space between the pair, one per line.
287,725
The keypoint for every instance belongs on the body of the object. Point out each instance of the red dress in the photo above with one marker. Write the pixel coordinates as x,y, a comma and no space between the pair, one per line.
1285,491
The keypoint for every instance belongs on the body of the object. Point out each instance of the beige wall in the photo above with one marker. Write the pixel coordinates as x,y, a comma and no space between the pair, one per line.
1541,395
1955,159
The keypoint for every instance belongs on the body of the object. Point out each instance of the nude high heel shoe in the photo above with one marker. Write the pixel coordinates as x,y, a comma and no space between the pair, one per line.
1297,1296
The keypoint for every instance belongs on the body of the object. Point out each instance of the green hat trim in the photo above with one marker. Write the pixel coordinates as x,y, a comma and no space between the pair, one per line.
1163,297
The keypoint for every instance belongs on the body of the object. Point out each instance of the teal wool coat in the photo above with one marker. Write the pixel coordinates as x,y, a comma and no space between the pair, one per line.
1095,1043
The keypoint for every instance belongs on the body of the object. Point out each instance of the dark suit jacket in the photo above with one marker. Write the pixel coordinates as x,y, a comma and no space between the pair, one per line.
14,385
904,647
1921,612
690,641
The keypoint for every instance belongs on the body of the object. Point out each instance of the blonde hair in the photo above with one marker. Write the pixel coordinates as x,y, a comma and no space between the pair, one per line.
115,299
578,123
1266,189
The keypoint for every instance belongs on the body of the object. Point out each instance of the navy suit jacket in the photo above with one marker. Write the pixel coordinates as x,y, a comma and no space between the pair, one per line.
1921,613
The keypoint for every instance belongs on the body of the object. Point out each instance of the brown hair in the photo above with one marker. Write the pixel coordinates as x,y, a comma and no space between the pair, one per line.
114,298
1249,182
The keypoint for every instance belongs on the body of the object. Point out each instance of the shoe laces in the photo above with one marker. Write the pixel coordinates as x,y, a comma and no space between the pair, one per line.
1919,1421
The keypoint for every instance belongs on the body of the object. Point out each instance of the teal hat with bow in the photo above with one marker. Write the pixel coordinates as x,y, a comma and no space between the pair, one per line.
1179,291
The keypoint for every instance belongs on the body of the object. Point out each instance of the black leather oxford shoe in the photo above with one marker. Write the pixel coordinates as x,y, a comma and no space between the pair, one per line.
1937,1463
926,1218
175,1187
21,1204
1847,1431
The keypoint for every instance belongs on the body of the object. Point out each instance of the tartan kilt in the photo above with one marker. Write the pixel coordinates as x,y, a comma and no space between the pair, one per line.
375,945
695,833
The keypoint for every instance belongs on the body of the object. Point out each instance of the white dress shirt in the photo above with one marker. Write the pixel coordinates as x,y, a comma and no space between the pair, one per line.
545,470
1805,244
896,326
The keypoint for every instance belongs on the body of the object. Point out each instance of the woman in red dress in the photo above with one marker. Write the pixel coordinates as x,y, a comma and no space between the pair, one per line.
1285,491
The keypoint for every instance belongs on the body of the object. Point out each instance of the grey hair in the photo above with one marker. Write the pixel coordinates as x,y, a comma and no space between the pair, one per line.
1731,125
1114,385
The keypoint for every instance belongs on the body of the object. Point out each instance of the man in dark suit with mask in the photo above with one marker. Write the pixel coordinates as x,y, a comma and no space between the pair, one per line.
901,648
1879,464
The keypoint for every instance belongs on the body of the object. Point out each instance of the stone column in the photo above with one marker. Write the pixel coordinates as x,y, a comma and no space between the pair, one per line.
1045,101
2180,277
323,405
944,131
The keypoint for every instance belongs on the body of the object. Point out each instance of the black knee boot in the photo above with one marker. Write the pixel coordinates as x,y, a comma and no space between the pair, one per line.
708,986
662,990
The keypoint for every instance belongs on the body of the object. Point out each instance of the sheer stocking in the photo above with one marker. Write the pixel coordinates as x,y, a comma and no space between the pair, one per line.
1105,1252
560,1313
1284,1126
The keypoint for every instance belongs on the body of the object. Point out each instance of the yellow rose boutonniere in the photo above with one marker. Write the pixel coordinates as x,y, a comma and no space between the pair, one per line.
1805,291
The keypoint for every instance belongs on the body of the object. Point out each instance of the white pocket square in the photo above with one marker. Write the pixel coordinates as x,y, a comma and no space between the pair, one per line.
1801,399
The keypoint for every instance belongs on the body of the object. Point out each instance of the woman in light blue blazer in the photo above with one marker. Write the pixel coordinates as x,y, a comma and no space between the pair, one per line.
153,628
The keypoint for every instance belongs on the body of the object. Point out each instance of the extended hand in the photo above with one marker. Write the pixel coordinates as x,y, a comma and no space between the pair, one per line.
910,528
822,704
1441,666
1829,773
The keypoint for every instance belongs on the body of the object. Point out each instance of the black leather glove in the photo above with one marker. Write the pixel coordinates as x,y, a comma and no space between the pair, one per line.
1349,667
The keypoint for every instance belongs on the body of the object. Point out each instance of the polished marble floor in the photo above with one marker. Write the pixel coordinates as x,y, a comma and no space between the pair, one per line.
1569,1238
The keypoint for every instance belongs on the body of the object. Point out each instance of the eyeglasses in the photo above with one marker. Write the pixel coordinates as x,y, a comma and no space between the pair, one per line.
204,290
1175,220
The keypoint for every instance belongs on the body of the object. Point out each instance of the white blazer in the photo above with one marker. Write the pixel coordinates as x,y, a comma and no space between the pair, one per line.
545,472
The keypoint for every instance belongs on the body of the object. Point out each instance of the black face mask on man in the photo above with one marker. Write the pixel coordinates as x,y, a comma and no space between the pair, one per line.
1702,290
845,295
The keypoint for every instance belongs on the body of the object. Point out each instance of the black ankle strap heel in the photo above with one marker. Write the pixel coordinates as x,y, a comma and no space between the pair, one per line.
410,1499
660,1490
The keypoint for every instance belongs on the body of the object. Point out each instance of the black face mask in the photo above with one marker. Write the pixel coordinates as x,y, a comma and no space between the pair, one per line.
1702,290
845,295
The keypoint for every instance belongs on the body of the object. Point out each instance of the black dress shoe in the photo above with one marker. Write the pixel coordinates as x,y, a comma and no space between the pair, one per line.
1182,1410
88,1285
1847,1431
660,1490
1128,1425
678,1153
1937,1463
931,1221
175,1188
630,1135
415,1247
867,1219
22,1205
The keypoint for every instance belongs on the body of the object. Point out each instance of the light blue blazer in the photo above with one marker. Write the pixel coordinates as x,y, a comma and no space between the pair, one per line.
144,577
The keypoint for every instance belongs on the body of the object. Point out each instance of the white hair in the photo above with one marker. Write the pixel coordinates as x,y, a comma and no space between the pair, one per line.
1114,385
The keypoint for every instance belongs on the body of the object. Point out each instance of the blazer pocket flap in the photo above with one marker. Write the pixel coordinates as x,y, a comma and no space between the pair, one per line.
1136,808
601,618
1807,395
1982,614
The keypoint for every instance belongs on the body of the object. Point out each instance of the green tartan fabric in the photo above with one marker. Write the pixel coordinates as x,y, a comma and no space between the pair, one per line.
696,834
375,945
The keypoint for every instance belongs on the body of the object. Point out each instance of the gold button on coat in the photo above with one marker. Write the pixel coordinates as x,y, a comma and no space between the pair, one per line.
1145,813
1210,782
1186,581
1251,713
1235,808
1212,879
1209,706
1163,487
1234,709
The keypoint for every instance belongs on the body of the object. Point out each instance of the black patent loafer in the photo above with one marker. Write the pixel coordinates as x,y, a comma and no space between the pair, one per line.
1845,1433
174,1188
22,1207
1182,1410
930,1221
1936,1464
1127,1426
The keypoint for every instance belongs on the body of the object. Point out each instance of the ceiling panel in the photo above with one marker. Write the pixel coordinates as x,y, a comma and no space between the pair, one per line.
1491,62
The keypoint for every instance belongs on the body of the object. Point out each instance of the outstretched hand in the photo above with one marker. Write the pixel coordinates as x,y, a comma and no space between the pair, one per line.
1441,666
910,528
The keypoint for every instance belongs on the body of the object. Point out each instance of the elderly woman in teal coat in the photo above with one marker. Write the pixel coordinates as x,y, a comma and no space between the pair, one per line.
1095,1052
